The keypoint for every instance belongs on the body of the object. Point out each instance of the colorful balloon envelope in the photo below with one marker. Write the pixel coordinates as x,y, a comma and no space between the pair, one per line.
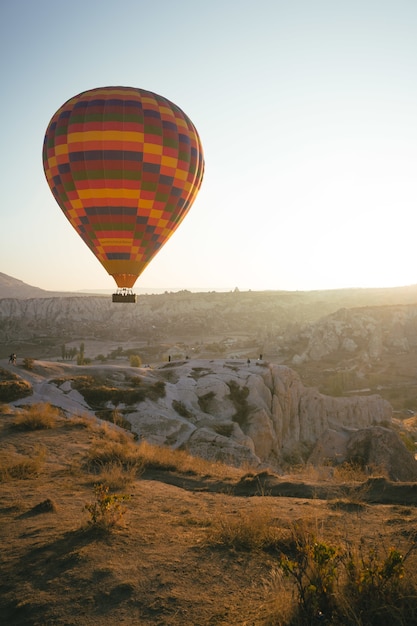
125,166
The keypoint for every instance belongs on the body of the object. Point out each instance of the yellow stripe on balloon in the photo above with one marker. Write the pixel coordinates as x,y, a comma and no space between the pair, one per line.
168,161
145,204
103,136
115,241
181,174
61,149
107,193
152,148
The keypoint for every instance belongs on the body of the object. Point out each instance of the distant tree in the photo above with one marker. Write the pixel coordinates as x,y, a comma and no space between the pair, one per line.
28,363
135,360
80,358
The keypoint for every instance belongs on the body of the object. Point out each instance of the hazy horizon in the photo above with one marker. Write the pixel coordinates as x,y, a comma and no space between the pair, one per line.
173,289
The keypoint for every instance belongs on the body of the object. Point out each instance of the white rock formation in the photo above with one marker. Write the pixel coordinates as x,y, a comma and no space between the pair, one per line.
257,414
252,413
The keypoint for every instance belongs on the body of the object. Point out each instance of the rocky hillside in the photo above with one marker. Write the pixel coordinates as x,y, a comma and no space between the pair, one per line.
366,332
257,414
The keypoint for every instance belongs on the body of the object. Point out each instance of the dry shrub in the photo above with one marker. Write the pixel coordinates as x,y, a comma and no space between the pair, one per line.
112,456
117,476
17,466
163,458
36,417
82,421
116,451
14,389
312,473
353,473
112,433
246,530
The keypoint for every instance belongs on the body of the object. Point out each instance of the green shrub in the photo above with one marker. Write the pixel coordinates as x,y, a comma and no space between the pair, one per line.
313,570
135,360
377,588
107,510
348,586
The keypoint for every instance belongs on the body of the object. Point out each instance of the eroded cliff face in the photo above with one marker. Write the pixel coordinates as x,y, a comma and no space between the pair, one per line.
240,412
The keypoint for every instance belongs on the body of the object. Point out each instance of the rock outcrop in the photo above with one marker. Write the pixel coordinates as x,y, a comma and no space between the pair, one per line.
372,449
255,413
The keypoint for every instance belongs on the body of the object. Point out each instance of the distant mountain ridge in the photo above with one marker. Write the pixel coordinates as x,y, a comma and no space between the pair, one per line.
11,287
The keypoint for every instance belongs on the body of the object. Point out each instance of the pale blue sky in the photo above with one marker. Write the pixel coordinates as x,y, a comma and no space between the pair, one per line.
307,110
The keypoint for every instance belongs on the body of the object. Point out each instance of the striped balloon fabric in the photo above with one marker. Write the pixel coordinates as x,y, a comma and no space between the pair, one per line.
125,166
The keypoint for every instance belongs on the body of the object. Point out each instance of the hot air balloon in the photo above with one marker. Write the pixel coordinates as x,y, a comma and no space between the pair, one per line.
125,166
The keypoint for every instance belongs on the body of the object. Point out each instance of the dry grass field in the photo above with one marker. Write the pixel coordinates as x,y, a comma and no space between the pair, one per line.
172,540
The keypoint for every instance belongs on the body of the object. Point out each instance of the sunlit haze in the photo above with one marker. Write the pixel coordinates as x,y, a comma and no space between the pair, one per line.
307,116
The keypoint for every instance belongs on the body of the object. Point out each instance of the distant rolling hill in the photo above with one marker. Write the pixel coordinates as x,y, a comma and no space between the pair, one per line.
14,288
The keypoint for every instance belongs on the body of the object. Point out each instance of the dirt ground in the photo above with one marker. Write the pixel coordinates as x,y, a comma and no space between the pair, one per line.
158,567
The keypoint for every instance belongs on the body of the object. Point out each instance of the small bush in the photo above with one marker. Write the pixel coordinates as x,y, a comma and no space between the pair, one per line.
28,363
313,570
36,417
135,360
107,510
